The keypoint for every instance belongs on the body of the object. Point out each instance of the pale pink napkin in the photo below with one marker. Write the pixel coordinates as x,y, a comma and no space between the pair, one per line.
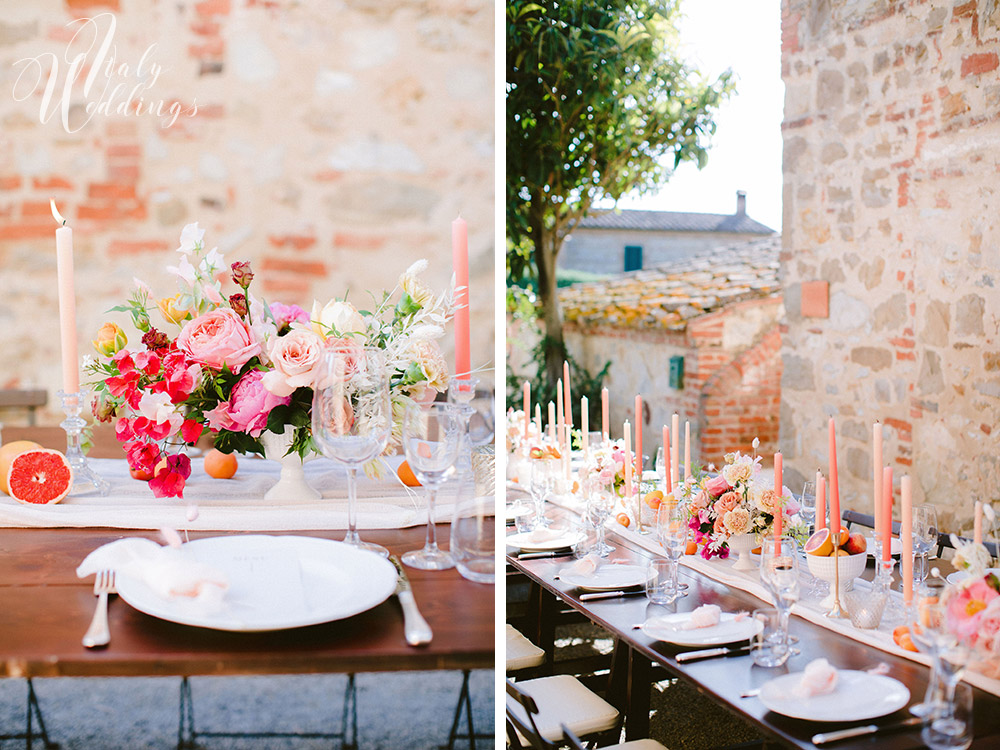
705,616
818,678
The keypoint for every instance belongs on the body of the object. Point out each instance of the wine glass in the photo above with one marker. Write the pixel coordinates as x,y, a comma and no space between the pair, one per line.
807,503
779,572
672,532
431,437
660,465
352,417
925,537
543,482
600,503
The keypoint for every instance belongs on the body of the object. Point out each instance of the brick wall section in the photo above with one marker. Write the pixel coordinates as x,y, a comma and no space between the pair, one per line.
892,113
329,149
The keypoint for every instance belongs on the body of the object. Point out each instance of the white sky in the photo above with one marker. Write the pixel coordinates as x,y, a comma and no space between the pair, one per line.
746,148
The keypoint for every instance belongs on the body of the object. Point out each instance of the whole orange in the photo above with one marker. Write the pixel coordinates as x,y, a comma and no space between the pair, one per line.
220,465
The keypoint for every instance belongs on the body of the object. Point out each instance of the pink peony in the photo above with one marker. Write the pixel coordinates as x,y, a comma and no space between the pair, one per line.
217,338
965,607
285,315
716,485
248,407
296,358
727,502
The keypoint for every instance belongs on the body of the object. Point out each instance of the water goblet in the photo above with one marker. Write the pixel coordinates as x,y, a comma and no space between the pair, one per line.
432,435
352,417
672,532
925,538
600,503
779,572
949,654
543,483
807,503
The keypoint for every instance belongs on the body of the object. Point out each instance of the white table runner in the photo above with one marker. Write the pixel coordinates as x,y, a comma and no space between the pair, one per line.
236,504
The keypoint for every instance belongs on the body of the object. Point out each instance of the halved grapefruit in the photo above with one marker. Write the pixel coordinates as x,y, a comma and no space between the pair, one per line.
819,544
7,453
39,477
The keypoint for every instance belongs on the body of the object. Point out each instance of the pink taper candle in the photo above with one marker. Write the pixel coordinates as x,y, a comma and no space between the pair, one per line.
834,487
460,264
527,408
552,423
906,536
885,532
567,395
820,501
538,420
585,422
67,303
977,528
877,474
687,450
668,470
627,429
560,410
604,413
777,525
675,450
638,436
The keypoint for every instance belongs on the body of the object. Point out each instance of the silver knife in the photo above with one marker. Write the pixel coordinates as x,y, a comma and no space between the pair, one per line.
709,653
844,734
609,595
418,632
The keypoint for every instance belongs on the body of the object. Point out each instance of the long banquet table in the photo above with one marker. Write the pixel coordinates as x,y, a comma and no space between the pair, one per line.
724,679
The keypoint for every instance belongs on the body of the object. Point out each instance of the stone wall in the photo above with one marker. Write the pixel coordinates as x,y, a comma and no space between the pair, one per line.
891,126
333,145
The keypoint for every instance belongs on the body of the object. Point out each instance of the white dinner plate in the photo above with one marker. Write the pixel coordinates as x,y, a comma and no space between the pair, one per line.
275,583
517,509
895,546
960,575
525,542
608,578
669,628
858,696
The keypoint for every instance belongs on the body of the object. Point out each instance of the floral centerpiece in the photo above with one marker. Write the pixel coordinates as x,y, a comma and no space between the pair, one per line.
972,606
604,469
239,366
732,502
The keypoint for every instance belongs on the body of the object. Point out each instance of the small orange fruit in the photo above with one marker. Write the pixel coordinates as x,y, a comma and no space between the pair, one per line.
692,547
141,474
407,476
623,519
220,465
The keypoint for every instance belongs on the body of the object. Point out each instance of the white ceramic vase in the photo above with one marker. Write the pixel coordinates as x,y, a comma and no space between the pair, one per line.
291,483
742,544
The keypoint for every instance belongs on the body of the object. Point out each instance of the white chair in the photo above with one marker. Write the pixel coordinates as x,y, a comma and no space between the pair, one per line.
576,744
521,653
537,711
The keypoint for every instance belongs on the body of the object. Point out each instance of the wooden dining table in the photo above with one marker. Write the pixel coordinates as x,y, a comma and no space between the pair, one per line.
724,679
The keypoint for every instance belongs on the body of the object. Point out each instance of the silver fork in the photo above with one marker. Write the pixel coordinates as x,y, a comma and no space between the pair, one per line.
98,633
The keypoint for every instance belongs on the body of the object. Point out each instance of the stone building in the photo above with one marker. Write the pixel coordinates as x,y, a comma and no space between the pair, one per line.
891,234
615,241
330,149
698,337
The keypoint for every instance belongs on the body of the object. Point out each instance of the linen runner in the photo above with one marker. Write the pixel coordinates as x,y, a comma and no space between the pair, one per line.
236,504
749,581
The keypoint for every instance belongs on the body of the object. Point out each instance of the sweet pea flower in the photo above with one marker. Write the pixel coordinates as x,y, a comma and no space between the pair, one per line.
184,271
191,237
169,480
218,338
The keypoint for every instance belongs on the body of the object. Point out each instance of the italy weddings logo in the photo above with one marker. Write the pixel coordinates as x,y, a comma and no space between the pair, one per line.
91,67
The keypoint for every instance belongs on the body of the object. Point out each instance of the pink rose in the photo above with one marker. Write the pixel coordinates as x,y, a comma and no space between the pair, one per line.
727,502
295,358
336,416
719,527
716,485
700,501
285,315
248,407
350,355
218,338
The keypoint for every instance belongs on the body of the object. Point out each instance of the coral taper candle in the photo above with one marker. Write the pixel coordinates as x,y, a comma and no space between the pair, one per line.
906,537
638,436
527,407
687,450
627,428
877,474
820,501
538,420
675,448
668,470
568,395
585,422
777,524
885,517
67,303
560,410
460,264
977,527
604,414
552,423
834,487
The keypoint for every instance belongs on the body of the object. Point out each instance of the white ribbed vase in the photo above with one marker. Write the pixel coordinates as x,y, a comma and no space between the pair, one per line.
291,484
742,544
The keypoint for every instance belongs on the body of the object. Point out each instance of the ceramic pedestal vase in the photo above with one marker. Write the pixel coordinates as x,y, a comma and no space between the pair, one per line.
292,483
742,544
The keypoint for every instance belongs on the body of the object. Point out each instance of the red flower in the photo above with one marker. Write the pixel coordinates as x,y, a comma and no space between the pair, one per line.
123,430
143,456
125,386
150,429
169,480
191,430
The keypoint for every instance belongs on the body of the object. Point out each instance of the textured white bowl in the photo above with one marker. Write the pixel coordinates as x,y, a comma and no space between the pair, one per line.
851,566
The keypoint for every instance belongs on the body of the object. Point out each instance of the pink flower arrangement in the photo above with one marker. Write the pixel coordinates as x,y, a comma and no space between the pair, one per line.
239,366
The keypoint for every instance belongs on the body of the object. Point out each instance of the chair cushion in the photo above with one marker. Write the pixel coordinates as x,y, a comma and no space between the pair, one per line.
637,745
563,699
521,653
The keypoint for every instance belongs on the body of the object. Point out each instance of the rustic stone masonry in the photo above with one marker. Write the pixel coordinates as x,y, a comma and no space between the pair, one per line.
719,311
333,145
891,161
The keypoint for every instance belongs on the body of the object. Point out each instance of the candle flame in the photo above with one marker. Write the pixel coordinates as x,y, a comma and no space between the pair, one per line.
55,212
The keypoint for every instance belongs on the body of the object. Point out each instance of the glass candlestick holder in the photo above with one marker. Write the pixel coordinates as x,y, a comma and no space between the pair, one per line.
461,392
882,583
85,479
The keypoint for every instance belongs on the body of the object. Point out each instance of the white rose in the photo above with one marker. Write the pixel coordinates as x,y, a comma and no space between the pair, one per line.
428,355
418,291
295,357
338,316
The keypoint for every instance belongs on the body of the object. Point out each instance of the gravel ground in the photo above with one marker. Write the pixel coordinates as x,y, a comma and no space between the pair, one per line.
395,710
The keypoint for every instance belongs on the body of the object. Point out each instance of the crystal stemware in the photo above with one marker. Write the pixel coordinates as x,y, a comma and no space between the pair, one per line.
431,438
352,417
543,483
925,537
600,503
779,572
672,532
